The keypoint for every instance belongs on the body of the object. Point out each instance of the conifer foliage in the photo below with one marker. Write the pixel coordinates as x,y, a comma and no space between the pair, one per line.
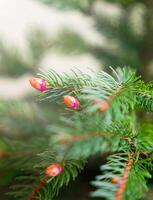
101,115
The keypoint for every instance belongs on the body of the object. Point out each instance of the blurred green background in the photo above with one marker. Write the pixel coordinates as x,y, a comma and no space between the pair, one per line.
62,34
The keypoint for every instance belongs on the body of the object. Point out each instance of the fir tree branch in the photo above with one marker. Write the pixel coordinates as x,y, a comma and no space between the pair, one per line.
115,93
39,187
122,188
78,138
4,154
145,101
92,132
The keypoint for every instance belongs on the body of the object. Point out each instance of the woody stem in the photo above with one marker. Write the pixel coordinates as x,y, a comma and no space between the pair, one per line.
39,187
121,190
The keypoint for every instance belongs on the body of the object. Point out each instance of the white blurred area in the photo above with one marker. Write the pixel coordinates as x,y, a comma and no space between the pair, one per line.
18,17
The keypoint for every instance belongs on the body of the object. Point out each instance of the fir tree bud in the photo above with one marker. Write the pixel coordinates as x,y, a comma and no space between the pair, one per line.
103,106
71,102
116,181
54,170
39,84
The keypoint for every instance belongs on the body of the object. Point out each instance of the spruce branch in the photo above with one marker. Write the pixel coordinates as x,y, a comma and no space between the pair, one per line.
120,192
68,139
113,168
111,98
145,96
6,154
145,101
37,190
78,81
87,130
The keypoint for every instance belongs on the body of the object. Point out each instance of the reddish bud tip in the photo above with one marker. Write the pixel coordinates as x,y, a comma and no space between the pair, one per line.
54,170
116,181
71,102
104,107
39,84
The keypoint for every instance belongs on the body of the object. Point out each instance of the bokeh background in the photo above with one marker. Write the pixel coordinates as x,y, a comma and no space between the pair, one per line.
63,34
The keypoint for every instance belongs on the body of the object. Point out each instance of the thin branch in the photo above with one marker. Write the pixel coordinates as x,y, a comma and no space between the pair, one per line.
5,154
66,139
39,187
78,138
121,190
111,98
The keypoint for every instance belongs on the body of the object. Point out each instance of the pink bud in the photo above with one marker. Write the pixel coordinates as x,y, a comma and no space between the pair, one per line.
116,181
54,170
39,84
71,102
103,106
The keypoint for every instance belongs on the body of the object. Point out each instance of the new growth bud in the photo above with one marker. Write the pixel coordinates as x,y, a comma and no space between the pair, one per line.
54,170
71,102
116,181
39,84
103,106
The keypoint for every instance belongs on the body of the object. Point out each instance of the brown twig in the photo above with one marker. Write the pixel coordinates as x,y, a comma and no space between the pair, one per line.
111,98
39,187
124,180
65,139
6,154
78,138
